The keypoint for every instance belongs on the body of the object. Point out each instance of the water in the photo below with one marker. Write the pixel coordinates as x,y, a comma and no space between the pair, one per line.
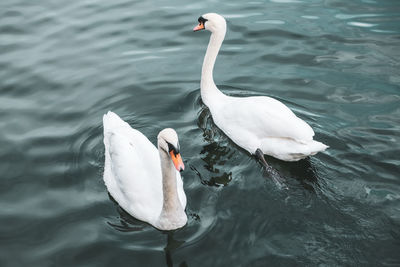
63,64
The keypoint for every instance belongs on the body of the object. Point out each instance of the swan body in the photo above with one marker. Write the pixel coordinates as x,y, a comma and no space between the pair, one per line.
142,179
257,122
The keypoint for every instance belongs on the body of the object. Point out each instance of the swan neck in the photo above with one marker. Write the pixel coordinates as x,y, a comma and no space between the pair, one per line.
207,84
172,207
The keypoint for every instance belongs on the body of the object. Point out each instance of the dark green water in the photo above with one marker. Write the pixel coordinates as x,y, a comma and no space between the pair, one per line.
63,64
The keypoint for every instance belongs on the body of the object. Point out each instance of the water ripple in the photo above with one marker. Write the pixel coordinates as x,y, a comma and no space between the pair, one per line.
64,64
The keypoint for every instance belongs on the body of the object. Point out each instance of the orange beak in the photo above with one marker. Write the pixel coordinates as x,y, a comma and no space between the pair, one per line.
177,160
199,27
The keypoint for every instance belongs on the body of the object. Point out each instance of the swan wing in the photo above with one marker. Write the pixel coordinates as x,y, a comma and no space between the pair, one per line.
132,170
261,117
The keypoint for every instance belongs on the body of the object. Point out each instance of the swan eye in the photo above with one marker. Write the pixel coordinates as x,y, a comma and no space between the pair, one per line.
173,148
202,20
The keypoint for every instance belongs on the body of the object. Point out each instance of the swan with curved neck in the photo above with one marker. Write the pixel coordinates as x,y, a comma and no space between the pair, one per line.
144,180
259,124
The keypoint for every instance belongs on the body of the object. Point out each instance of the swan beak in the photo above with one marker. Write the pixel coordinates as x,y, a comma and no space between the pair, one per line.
177,160
199,27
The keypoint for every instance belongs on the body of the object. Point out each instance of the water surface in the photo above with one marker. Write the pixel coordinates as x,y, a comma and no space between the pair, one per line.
63,64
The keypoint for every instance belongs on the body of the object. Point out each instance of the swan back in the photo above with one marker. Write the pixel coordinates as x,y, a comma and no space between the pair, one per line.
130,184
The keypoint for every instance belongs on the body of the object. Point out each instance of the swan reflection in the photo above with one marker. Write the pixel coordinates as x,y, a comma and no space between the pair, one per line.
215,152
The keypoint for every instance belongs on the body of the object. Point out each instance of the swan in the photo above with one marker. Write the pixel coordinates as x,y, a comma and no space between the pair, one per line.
145,182
259,124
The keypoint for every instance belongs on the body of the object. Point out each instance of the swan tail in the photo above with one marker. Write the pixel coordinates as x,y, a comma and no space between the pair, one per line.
112,124
311,148
316,147
291,150
112,121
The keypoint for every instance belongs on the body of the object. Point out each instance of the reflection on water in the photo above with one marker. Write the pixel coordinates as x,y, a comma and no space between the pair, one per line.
218,151
126,222
172,244
215,152
304,172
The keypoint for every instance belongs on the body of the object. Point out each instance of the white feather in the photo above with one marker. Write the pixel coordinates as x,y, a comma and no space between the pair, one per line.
132,171
253,123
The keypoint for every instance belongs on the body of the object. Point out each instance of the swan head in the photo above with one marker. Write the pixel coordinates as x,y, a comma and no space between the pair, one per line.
211,22
168,141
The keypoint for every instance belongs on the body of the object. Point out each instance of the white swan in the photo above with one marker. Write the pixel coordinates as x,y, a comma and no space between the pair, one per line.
144,181
260,124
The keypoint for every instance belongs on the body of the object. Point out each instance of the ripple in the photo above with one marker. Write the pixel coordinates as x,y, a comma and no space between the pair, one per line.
361,24
354,16
300,59
64,64
310,17
286,1
275,33
341,56
245,15
271,21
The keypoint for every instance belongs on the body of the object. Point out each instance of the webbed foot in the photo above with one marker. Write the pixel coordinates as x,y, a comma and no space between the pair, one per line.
273,173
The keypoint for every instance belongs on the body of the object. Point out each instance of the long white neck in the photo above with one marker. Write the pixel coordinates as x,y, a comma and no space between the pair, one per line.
172,214
209,90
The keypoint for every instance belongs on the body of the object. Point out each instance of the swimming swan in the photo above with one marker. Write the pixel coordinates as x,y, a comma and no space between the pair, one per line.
259,124
145,182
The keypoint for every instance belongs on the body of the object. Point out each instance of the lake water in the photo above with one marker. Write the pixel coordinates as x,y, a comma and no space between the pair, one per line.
63,64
